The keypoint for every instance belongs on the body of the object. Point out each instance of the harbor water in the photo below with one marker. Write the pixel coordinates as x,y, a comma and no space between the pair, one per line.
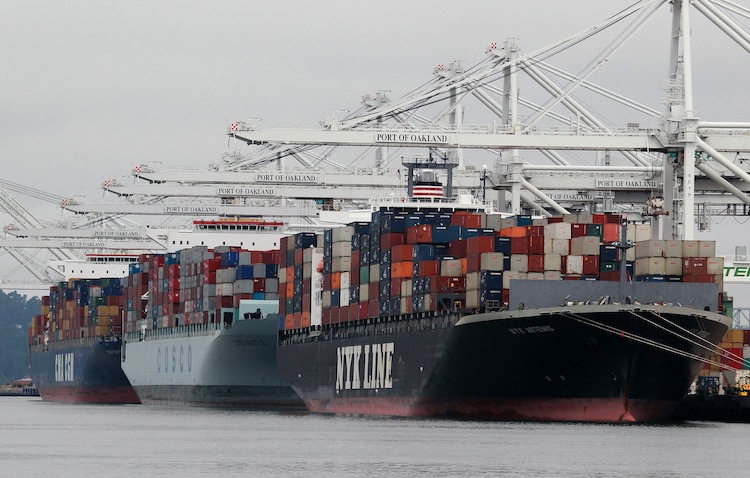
59,440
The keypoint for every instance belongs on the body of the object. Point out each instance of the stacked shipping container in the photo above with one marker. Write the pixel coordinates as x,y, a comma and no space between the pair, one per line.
80,308
409,262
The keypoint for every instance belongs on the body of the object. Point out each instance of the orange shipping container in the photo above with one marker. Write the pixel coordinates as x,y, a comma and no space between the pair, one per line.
402,270
517,231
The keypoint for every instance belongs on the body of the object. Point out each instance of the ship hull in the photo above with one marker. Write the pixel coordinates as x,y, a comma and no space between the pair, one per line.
584,363
81,370
209,365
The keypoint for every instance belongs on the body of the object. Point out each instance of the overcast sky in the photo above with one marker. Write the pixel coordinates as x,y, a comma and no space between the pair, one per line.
92,88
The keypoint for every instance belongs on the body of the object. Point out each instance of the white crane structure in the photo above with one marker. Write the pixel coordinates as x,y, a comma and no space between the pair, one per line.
544,152
668,160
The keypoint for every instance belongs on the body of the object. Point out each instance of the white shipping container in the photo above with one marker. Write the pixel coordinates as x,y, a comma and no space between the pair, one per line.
715,265
307,270
552,275
344,297
507,222
472,298
243,286
539,222
492,261
494,221
307,254
225,289
570,218
552,262
706,248
585,218
374,273
557,230
346,280
342,264
630,254
224,276
535,276
512,275
451,268
574,265
272,286
560,246
342,234
282,275
585,246
364,293
673,266
472,280
326,298
642,233
650,266
406,288
672,248
650,248
690,249
519,263
342,249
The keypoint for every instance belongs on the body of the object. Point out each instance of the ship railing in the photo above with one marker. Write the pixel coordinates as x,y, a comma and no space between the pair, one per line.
179,331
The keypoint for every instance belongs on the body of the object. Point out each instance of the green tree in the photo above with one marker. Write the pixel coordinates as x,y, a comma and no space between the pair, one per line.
16,313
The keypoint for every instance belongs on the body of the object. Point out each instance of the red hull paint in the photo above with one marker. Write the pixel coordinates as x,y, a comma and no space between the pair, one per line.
113,395
542,409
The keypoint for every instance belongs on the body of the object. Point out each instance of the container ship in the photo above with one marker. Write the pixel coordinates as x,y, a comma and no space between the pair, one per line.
75,342
201,329
433,309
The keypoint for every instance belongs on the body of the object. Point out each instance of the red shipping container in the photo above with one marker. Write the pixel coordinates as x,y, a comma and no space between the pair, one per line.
472,220
374,292
473,263
259,285
591,265
390,239
536,245
695,265
373,308
733,358
519,245
363,310
421,234
448,285
457,249
429,268
325,318
704,278
353,312
299,256
579,230
307,286
256,257
396,286
611,232
479,244
535,231
402,252
598,218
536,263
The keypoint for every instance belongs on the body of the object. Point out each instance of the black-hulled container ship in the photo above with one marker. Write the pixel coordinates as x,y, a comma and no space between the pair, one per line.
433,310
75,343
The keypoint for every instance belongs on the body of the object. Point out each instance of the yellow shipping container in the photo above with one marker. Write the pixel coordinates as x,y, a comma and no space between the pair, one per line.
105,320
102,330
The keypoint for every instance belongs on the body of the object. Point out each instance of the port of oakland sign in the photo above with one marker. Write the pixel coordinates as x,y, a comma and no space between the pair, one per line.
303,178
246,191
627,184
421,138
191,210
